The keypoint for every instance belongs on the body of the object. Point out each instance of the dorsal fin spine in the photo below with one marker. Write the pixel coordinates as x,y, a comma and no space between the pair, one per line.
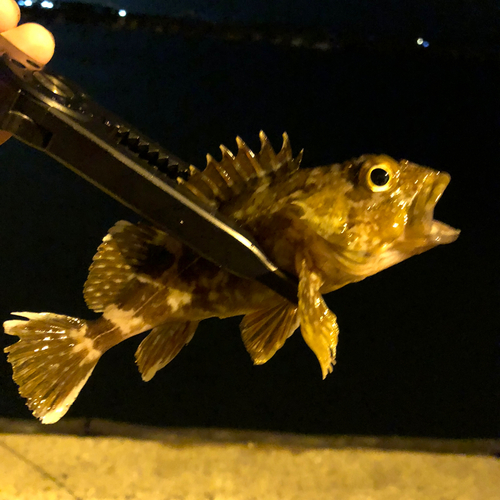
245,153
231,175
229,158
226,153
298,159
267,156
219,175
214,181
285,153
208,179
224,175
193,186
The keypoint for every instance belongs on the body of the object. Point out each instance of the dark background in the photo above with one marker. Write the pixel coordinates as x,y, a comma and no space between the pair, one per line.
419,343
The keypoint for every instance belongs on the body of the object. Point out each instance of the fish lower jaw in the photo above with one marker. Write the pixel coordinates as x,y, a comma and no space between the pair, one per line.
442,234
426,235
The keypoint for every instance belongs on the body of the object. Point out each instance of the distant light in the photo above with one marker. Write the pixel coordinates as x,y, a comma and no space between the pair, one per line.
122,12
21,3
46,4
421,41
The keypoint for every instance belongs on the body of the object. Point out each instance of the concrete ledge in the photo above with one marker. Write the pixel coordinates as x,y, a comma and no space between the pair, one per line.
121,461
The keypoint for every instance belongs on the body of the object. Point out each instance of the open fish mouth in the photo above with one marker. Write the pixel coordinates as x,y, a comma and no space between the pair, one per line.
422,225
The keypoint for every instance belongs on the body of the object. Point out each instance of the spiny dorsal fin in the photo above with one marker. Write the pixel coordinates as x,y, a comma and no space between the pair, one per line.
224,179
126,251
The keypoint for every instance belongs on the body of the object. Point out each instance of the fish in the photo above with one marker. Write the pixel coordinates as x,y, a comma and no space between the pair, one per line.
329,226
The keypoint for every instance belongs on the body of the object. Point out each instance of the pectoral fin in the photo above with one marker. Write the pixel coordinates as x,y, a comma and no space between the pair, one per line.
317,323
162,345
265,331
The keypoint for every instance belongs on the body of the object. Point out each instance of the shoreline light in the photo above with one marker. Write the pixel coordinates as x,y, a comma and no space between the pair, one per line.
422,42
122,12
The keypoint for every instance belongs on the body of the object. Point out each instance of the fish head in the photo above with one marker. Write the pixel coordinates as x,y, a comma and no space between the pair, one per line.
376,211
392,205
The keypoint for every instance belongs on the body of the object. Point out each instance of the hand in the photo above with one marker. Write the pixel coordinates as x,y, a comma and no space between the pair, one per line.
33,39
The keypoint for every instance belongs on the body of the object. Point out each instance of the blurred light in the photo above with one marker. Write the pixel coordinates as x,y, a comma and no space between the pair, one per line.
46,4
122,12
421,41
21,3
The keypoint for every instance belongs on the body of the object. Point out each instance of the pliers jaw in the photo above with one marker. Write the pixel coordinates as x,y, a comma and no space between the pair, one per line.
52,114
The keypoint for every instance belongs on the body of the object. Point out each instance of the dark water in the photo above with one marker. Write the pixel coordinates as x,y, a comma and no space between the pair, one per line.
419,343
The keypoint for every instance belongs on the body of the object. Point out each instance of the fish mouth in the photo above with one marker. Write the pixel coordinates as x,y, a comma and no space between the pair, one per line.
422,229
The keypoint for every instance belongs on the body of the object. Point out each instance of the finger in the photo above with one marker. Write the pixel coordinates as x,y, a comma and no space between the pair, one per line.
4,136
9,14
32,39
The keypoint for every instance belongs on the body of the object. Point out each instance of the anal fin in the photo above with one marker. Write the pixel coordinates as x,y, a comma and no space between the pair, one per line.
162,345
317,323
265,331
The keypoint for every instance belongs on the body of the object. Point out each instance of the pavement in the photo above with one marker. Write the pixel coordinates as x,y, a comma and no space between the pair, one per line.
99,460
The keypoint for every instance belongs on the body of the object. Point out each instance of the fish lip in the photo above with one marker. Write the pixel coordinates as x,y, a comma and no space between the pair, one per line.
422,225
437,189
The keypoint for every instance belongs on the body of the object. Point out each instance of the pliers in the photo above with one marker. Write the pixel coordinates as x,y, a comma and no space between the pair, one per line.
52,114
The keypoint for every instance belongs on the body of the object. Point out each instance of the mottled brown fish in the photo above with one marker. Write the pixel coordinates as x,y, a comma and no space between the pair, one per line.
329,226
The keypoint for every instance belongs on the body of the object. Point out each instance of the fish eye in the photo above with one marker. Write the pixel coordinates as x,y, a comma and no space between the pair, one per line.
377,176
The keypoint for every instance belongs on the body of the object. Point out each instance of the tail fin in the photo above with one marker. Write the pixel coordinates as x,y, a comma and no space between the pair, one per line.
52,361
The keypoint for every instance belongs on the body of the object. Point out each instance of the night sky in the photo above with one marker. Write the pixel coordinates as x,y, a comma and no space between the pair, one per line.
385,15
419,344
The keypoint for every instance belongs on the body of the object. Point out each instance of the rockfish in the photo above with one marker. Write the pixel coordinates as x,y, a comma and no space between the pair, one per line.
329,226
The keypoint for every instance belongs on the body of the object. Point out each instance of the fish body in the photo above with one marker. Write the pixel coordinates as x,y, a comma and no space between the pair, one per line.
329,226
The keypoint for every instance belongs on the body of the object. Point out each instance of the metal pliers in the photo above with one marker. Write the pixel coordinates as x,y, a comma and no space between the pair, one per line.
54,115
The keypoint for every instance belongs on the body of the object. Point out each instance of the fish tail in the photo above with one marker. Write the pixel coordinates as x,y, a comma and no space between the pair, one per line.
52,360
